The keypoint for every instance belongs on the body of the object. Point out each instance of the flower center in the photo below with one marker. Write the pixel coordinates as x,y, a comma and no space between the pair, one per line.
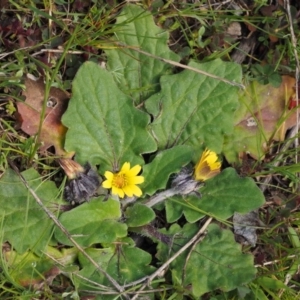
120,180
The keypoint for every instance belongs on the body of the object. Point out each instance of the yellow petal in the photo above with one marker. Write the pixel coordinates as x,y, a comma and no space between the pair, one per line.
128,190
208,166
212,158
109,175
117,191
215,166
137,180
126,167
137,191
201,160
107,184
134,170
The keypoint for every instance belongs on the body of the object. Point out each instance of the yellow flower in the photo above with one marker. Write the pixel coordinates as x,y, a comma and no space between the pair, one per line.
208,166
125,181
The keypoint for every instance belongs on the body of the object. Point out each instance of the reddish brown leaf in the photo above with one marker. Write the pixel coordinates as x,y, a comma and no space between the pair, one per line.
264,116
272,111
53,131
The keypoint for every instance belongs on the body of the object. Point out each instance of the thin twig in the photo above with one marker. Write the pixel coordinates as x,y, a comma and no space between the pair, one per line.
189,255
63,229
179,252
164,289
273,262
57,51
76,274
3,55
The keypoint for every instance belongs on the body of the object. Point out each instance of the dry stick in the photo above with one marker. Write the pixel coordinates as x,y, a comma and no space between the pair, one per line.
189,255
167,263
274,261
164,289
3,55
49,29
63,229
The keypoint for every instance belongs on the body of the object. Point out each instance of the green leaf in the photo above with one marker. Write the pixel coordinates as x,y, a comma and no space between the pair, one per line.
195,109
220,197
175,208
275,79
92,222
137,74
256,293
23,223
104,127
270,283
139,215
216,262
164,164
124,262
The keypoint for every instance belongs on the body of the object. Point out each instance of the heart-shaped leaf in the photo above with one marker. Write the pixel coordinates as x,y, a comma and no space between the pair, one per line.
92,222
216,262
104,127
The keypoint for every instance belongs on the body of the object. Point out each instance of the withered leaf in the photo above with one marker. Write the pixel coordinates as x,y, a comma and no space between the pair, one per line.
270,109
264,116
53,131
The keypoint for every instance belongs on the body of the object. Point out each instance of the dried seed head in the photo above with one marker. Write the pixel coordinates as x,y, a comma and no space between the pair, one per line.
83,181
71,167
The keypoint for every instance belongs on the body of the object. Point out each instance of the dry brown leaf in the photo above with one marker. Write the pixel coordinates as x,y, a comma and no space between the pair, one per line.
264,115
272,111
53,131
